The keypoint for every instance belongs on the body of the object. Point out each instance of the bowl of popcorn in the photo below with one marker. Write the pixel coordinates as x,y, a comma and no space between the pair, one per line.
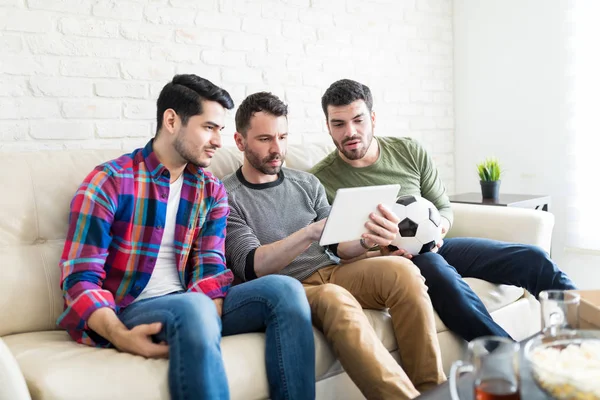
566,365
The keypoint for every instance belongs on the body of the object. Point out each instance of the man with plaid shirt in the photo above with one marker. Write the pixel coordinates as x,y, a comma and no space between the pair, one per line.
143,267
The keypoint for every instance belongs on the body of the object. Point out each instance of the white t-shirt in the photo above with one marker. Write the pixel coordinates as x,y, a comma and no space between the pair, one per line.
165,277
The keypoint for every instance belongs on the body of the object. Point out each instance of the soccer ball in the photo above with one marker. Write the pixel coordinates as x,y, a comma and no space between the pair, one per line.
420,226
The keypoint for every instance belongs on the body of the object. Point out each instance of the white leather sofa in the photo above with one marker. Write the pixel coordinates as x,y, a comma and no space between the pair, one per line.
39,361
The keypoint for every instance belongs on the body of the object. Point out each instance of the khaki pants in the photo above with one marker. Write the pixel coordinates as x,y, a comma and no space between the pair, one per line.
337,295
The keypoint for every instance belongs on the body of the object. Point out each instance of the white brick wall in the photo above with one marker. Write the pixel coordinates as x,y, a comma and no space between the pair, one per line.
86,73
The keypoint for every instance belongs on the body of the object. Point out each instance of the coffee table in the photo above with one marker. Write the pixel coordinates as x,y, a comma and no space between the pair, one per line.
529,390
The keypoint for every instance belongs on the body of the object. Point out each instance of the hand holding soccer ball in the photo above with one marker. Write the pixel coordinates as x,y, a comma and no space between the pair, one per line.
420,226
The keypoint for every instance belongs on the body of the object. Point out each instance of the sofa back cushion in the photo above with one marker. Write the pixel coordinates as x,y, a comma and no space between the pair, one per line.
37,189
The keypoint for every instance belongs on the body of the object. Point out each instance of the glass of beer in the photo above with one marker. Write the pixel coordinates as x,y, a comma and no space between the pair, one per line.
560,311
494,363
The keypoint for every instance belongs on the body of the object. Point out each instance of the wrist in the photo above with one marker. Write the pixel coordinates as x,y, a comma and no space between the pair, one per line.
366,246
115,334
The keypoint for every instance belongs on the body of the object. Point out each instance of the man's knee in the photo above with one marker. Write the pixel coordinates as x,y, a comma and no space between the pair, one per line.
535,254
398,271
275,287
331,295
536,263
285,295
195,314
400,280
403,267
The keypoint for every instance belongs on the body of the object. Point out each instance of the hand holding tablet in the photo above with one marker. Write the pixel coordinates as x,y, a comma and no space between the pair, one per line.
351,209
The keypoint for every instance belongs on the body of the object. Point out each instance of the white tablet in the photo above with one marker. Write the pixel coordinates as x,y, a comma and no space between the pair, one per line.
350,211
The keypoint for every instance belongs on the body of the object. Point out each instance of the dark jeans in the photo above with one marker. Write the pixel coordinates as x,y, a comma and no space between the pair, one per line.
192,328
457,305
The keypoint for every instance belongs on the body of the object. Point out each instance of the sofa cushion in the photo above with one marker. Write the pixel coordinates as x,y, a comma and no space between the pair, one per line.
495,296
12,383
30,295
55,367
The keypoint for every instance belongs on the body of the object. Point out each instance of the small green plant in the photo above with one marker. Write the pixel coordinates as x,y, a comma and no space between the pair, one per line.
489,170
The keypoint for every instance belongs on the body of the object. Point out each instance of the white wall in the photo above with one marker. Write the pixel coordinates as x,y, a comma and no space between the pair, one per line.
86,73
512,85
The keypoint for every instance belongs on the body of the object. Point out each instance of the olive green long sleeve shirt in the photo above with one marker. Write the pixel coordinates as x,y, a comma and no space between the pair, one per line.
401,160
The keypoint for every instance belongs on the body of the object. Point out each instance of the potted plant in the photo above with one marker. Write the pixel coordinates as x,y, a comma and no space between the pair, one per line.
489,177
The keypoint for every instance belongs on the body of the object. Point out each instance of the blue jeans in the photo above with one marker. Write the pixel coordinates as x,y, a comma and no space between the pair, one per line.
192,329
457,305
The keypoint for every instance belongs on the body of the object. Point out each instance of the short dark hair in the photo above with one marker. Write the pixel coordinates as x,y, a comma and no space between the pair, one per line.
257,102
344,92
185,94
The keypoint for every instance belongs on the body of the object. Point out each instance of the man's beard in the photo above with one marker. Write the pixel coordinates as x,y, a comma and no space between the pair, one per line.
262,165
186,153
355,154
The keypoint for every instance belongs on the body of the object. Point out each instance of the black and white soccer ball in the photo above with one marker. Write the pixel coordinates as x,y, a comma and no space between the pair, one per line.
420,226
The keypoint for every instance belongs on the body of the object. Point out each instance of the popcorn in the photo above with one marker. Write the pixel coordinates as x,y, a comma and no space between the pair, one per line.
569,372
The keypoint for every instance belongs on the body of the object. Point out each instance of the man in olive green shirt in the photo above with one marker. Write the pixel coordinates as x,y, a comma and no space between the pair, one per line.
362,161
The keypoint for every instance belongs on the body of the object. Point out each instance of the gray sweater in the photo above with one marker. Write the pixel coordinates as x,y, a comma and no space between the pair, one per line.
265,213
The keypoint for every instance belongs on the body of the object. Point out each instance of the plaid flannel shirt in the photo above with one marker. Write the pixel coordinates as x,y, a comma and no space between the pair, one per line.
115,230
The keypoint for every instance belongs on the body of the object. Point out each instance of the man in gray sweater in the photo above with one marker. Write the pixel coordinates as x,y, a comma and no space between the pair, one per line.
276,218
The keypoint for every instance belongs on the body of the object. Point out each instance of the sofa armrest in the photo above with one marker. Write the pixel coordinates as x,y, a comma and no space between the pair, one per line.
508,224
12,382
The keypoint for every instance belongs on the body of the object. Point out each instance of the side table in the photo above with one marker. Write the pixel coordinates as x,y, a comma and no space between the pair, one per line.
506,200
